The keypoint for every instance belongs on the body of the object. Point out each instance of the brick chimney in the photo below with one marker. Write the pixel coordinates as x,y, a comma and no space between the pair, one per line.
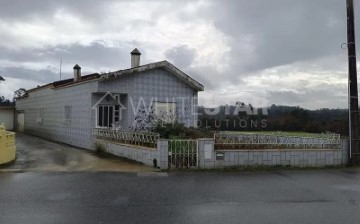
135,58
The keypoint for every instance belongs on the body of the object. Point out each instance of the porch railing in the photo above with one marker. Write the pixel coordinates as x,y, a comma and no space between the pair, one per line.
233,140
146,139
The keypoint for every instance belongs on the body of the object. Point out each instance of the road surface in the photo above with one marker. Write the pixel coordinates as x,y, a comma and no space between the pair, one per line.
318,196
56,183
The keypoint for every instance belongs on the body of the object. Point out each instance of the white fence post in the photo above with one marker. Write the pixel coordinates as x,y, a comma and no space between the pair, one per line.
206,153
197,154
163,150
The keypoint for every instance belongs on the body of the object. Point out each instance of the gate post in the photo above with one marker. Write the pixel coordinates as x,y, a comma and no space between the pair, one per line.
163,149
206,153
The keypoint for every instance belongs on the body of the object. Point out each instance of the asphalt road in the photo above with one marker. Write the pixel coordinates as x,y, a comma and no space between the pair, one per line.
317,196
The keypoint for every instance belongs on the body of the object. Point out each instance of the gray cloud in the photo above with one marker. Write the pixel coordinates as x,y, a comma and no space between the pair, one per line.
319,97
18,9
96,55
42,76
182,55
285,97
302,36
281,31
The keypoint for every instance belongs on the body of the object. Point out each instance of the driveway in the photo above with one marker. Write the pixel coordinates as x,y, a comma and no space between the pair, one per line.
37,154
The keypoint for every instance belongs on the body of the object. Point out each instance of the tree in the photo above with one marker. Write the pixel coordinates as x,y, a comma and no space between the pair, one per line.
5,102
20,93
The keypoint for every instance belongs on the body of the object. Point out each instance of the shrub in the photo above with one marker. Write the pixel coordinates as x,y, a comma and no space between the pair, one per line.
100,148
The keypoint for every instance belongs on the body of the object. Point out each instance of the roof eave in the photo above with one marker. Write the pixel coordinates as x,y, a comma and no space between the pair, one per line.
192,82
162,64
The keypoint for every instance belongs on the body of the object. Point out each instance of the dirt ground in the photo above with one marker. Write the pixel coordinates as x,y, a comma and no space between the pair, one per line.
37,154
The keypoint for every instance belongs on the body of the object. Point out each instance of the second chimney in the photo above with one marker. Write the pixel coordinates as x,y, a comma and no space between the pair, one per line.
77,73
135,58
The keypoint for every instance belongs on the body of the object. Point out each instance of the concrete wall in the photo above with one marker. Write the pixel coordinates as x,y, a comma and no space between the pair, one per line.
141,154
273,157
7,117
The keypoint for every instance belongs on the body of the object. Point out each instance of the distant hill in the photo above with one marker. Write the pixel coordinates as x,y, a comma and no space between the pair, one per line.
242,117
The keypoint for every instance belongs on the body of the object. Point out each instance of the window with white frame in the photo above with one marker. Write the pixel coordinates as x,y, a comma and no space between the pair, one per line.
108,116
165,111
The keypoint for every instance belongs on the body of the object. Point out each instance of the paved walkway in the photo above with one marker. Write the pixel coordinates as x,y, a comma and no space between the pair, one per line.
37,154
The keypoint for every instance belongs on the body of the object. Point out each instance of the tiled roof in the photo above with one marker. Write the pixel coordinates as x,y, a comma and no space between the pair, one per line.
162,64
67,82
84,78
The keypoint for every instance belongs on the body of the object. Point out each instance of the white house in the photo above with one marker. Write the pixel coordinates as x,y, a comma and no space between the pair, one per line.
68,110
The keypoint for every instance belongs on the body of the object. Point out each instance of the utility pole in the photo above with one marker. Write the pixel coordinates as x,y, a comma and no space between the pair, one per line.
353,90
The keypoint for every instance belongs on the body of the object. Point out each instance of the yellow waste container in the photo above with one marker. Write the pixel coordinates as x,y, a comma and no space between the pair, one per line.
7,145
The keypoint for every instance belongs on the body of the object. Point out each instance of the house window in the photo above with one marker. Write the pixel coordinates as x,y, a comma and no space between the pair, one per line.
165,111
67,113
106,116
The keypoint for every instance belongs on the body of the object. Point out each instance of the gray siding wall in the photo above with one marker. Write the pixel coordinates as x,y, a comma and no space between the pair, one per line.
156,83
53,126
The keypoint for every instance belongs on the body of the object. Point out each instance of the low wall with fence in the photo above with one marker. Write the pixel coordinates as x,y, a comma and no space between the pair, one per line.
209,158
225,150
137,153
7,145
143,147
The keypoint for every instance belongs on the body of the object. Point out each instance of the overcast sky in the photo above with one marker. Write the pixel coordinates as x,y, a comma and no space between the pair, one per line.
280,52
